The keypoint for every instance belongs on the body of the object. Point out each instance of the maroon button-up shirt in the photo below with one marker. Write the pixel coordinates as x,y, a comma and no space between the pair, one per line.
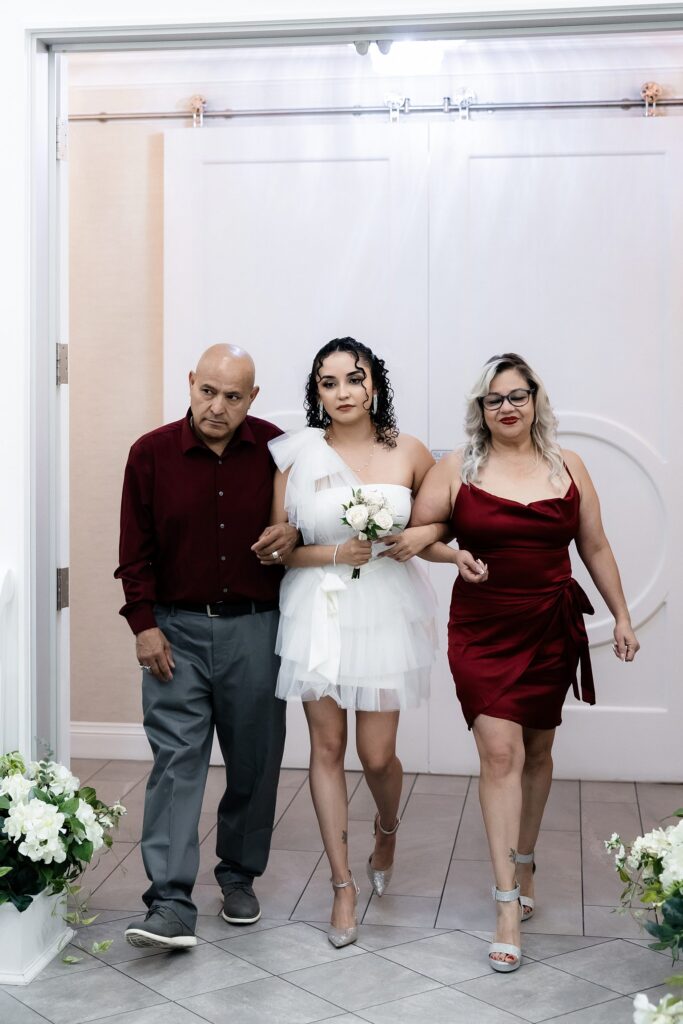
189,518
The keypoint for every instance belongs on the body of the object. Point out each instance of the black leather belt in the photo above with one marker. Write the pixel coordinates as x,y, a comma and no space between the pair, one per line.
224,610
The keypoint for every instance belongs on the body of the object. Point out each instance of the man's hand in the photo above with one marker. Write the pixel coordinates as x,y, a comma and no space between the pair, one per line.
154,653
275,543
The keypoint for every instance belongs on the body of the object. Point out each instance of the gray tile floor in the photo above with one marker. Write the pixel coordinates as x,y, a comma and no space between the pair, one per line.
422,952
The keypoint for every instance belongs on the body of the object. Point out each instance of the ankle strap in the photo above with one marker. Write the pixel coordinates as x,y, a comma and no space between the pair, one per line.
524,858
344,885
385,831
505,895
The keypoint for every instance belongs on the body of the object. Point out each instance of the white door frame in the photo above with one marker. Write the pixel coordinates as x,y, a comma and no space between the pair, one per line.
43,699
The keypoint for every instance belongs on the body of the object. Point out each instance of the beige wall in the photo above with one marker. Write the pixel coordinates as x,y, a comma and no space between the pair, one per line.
115,389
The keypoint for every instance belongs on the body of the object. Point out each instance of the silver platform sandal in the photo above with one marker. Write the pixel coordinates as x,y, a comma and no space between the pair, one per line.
526,901
506,948
380,879
344,936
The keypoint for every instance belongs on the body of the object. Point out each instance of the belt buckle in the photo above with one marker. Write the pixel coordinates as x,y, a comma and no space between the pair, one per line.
212,615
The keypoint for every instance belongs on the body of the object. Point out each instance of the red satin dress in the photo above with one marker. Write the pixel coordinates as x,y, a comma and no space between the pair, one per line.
515,641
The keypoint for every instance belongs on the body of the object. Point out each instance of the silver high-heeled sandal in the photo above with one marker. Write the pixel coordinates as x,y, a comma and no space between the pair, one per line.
526,901
380,879
344,936
506,948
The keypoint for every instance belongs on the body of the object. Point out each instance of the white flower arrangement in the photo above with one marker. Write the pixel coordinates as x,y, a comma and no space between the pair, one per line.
668,1010
652,870
369,514
50,828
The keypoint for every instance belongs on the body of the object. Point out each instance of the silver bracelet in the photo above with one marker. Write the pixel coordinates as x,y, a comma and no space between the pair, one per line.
334,556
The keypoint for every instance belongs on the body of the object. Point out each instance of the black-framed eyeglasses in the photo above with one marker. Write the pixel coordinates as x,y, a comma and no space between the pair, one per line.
518,398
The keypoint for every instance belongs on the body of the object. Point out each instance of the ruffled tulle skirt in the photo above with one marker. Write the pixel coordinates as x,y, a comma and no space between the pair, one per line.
367,643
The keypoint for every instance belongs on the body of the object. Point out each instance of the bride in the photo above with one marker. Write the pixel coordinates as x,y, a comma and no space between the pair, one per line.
364,644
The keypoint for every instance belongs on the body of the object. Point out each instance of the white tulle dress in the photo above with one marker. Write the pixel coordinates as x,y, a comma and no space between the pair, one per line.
367,643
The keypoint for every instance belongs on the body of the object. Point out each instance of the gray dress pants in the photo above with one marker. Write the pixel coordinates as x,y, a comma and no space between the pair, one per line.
225,675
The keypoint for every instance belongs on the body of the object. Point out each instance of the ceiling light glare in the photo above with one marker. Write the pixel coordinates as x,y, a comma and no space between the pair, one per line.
411,57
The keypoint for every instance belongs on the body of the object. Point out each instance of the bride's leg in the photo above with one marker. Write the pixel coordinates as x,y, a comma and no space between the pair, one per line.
376,746
501,752
328,730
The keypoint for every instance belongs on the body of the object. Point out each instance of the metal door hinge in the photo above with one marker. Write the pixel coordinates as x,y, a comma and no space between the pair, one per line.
62,589
62,138
62,363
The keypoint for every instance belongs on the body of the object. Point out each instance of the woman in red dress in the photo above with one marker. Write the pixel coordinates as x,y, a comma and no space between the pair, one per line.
516,635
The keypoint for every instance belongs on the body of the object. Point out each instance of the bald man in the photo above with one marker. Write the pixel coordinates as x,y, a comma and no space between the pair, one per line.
200,569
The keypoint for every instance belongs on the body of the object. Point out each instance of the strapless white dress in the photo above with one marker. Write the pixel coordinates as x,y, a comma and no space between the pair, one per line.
368,643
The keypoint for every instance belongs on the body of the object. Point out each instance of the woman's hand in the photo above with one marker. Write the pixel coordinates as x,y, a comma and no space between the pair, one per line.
354,552
472,570
625,644
407,544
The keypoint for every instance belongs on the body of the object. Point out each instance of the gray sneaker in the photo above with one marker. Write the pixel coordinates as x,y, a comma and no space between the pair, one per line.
162,928
240,905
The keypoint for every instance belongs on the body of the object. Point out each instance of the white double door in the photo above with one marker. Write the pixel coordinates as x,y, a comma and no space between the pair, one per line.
439,245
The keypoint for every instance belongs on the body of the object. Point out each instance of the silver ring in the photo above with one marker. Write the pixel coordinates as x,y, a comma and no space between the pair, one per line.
145,668
275,555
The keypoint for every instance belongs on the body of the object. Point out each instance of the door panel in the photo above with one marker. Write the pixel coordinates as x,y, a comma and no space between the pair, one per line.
562,241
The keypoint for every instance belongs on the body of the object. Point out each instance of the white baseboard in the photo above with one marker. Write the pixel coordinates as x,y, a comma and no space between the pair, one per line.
119,741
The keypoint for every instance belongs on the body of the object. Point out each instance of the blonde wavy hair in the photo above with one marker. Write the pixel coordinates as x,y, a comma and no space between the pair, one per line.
543,430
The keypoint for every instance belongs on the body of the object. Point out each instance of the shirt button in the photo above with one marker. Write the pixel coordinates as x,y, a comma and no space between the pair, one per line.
225,590
222,526
220,462
222,558
220,494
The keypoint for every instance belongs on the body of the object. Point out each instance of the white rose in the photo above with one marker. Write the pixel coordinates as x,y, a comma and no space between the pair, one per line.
675,833
374,499
657,842
93,830
63,782
672,868
16,787
643,1010
384,519
41,824
357,517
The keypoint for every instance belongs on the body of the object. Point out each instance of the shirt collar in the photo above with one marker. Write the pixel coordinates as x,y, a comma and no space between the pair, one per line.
189,440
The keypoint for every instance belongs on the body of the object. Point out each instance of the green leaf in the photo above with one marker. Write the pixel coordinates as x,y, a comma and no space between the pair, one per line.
101,947
88,794
70,806
4,802
71,959
676,980
89,920
5,871
84,850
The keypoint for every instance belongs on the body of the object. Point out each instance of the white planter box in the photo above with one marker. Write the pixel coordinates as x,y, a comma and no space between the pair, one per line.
28,941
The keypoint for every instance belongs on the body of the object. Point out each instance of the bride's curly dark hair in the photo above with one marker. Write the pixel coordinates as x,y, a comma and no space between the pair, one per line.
384,419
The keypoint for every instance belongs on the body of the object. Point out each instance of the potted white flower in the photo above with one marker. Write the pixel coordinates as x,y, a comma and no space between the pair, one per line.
652,870
50,828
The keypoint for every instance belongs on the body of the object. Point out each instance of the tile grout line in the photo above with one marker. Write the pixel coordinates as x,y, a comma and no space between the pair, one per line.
583,894
455,840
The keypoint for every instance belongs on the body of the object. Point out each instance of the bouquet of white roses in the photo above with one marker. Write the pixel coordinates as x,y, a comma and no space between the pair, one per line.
369,514
49,828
